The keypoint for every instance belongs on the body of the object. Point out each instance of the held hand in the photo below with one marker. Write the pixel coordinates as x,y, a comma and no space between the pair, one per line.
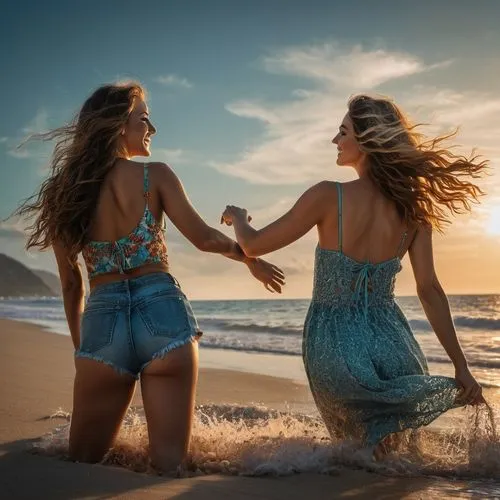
271,276
232,213
471,393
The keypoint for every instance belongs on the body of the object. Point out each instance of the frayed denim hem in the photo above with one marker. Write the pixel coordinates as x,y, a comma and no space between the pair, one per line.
174,345
119,369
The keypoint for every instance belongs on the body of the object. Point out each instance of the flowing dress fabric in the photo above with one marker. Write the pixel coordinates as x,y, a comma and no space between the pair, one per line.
367,373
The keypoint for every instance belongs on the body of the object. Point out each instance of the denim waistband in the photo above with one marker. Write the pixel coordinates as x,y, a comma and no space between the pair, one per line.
134,283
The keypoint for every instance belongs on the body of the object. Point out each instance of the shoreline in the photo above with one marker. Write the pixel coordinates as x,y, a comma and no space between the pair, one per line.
213,372
290,366
287,366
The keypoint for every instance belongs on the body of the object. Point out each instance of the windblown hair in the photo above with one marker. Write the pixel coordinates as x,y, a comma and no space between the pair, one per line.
426,180
84,154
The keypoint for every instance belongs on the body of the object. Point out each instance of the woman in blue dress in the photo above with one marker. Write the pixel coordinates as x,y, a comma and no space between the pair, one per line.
366,371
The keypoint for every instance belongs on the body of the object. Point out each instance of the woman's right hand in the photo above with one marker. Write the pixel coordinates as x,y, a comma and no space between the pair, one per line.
232,212
271,276
471,392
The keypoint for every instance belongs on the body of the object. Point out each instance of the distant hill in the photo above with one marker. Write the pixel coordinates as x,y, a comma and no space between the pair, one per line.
50,279
16,280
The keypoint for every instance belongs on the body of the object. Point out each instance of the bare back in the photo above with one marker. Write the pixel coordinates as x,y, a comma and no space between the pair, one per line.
372,230
121,202
121,208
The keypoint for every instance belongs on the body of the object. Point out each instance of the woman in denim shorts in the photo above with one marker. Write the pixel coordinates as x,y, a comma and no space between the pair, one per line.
137,322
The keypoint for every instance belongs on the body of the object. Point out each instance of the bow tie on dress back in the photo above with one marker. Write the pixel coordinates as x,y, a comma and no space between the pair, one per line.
362,286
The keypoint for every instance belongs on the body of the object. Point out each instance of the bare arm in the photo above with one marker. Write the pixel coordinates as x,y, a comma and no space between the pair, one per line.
187,220
437,310
308,211
432,296
206,238
73,291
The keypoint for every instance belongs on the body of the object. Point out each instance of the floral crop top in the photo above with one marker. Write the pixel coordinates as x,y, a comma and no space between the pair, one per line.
144,245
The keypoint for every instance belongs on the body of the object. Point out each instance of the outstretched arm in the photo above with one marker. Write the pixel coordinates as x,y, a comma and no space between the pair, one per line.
437,310
204,237
73,290
186,219
308,211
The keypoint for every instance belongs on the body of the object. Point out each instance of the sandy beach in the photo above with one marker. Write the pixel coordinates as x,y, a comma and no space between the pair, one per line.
36,369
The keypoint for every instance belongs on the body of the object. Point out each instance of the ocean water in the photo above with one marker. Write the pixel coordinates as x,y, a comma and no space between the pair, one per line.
256,441
275,327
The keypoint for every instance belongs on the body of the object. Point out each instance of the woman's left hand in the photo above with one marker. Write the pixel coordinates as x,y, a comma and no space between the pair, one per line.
470,390
232,213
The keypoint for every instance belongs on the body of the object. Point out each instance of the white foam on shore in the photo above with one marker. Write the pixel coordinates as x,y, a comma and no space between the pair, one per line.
252,441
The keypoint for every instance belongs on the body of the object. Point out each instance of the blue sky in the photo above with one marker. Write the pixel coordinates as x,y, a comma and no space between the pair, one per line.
246,96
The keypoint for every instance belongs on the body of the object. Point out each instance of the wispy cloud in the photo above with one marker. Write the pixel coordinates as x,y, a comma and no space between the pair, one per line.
445,106
38,124
350,68
174,81
20,153
175,156
252,109
12,230
17,147
264,215
296,145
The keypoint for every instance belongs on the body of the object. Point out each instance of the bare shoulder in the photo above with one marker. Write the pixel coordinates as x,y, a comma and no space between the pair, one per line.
421,235
356,187
323,189
159,168
421,230
326,186
163,174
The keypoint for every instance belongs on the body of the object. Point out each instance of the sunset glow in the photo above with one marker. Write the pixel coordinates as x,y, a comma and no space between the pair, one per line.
493,224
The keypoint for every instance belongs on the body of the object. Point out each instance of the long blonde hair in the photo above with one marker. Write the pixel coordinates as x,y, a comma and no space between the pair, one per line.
84,154
426,180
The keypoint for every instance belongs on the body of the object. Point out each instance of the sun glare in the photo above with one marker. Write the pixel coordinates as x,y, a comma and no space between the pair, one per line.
493,224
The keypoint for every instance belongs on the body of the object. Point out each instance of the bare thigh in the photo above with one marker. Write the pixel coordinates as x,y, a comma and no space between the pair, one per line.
168,392
100,399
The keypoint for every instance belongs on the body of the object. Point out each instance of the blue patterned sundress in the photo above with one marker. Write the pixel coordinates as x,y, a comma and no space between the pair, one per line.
368,375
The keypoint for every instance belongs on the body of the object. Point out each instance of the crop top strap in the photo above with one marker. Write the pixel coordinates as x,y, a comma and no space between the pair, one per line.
146,184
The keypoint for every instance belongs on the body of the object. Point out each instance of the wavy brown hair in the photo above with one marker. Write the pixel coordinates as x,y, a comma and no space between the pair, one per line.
425,179
85,152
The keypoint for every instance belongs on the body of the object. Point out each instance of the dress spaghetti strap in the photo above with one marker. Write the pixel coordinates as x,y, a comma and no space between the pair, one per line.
339,202
401,244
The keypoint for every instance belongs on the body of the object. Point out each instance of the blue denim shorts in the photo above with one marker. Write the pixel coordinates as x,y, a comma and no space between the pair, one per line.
127,324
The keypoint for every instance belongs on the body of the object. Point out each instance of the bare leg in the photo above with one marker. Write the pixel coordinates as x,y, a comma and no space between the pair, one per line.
100,399
168,392
387,445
